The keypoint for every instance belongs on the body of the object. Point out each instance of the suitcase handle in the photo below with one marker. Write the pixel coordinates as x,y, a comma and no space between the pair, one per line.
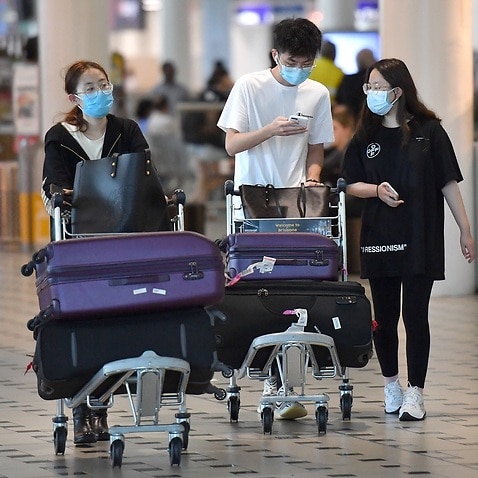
291,262
302,262
147,279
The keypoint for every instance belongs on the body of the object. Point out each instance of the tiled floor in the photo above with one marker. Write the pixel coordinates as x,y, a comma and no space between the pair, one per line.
369,445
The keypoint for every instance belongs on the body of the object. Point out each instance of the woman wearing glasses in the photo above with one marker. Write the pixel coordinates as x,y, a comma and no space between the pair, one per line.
402,161
87,132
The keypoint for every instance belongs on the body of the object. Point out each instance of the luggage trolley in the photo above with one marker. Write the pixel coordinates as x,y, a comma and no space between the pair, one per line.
142,378
293,349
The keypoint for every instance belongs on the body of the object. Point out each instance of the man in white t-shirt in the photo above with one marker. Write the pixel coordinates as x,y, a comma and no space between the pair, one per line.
271,148
268,147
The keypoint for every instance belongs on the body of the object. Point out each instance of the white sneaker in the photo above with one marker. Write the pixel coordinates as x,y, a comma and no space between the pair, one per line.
270,389
413,408
290,410
393,397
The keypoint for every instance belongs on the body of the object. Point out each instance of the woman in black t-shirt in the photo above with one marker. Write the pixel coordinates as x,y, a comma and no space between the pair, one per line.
402,161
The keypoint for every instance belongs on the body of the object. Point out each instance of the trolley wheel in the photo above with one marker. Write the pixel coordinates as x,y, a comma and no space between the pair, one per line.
233,405
175,446
321,415
59,440
185,440
220,394
116,453
267,416
346,406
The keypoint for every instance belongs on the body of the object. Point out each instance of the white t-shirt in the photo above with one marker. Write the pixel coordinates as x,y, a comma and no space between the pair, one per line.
92,147
255,101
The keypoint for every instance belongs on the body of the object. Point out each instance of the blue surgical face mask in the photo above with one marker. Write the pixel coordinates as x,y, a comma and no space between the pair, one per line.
378,102
293,74
99,106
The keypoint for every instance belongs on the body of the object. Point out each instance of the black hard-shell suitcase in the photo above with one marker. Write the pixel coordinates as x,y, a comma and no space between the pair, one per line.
69,353
338,309
122,274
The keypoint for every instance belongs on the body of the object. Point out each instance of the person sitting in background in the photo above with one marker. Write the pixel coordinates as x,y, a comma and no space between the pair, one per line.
219,85
344,127
169,88
350,92
168,151
143,112
326,71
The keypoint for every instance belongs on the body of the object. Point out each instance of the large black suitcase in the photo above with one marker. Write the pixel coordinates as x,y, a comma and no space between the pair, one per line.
253,308
69,353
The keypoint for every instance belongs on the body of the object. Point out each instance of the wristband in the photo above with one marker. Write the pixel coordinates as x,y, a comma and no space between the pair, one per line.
377,189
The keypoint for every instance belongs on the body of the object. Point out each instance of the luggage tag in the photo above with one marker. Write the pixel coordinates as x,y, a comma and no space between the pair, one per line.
300,313
265,266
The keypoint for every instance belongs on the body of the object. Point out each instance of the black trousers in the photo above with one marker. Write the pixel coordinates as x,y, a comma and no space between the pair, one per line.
412,296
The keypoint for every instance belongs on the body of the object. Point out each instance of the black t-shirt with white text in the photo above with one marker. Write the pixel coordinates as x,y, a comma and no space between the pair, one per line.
409,239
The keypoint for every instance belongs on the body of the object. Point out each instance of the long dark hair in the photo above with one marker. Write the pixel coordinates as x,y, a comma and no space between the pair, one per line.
72,78
409,105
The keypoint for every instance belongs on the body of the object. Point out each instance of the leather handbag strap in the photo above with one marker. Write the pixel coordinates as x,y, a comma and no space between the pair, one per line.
302,201
272,200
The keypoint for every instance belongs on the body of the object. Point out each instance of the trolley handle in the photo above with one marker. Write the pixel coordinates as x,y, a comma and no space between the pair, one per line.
341,185
229,187
178,197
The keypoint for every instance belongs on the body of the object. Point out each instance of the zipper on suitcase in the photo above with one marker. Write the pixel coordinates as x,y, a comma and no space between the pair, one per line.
348,296
319,257
191,270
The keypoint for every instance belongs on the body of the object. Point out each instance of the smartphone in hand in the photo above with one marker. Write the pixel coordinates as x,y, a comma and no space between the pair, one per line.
301,120
394,193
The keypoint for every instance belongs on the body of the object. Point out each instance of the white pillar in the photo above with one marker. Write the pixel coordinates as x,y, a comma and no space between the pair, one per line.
178,20
338,14
69,30
434,39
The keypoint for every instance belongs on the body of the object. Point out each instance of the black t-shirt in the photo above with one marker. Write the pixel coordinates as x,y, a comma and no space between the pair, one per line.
409,239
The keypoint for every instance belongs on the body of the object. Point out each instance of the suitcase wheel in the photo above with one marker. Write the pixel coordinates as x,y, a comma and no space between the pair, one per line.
27,269
39,256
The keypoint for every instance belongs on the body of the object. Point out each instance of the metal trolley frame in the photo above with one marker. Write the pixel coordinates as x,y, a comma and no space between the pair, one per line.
142,377
292,350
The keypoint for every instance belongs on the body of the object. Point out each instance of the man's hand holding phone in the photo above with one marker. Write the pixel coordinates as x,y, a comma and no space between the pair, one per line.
302,121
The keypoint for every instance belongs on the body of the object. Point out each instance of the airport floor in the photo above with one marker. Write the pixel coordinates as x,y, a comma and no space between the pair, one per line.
369,445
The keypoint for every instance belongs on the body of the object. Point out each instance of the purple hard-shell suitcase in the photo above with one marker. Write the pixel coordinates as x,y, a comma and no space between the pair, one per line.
144,272
304,255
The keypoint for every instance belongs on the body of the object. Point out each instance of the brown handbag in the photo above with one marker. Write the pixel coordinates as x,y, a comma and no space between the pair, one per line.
267,201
